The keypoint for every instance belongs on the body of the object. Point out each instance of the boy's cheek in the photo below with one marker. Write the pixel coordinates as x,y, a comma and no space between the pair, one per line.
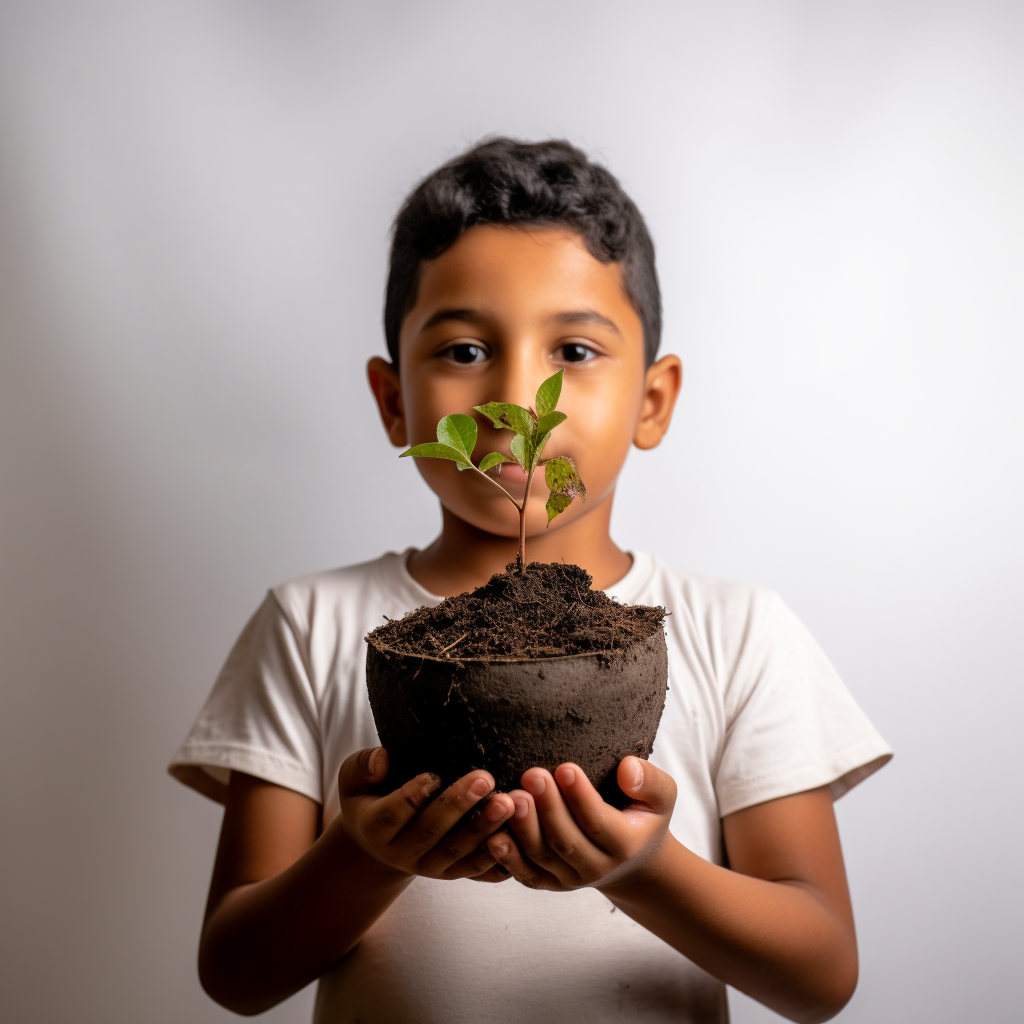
463,494
427,396
599,459
607,404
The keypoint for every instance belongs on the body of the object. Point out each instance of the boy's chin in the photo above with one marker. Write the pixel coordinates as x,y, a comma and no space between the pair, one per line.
504,524
506,527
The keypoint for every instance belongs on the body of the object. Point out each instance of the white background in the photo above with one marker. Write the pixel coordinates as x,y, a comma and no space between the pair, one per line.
194,204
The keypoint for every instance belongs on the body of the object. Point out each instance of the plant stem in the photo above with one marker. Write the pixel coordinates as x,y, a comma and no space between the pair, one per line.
521,557
522,521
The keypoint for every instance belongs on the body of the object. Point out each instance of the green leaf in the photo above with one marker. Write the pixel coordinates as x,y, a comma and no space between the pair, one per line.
492,410
545,425
564,483
561,476
434,450
548,392
458,431
494,459
512,417
549,421
557,503
538,448
522,449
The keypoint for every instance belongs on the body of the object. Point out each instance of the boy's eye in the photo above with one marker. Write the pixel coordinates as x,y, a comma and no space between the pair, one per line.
575,352
464,352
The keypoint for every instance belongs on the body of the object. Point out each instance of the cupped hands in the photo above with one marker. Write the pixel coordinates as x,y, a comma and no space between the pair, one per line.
417,829
564,836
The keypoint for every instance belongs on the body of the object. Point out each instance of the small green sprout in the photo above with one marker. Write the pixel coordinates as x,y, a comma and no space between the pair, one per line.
456,439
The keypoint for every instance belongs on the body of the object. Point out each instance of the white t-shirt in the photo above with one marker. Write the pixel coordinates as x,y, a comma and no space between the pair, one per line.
754,711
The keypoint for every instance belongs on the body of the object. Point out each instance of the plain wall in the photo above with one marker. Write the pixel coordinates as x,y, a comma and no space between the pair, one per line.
194,204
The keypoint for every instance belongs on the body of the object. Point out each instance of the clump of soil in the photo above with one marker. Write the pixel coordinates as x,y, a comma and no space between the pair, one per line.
547,612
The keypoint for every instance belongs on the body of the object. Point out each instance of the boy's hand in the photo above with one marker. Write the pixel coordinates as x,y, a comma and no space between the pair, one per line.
567,837
415,830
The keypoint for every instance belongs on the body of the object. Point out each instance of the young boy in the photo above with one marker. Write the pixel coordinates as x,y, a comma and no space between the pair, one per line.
509,263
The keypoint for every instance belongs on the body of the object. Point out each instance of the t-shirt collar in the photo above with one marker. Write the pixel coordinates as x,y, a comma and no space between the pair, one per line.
624,590
419,593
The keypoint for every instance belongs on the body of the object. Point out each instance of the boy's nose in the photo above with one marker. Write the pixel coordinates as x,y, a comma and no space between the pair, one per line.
521,376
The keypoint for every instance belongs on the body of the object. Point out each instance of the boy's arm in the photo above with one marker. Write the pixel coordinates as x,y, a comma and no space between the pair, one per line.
286,904
776,925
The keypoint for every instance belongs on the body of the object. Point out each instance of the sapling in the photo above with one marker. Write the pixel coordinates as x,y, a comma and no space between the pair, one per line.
456,439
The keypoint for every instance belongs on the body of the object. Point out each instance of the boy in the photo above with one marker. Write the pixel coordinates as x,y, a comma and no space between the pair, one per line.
510,262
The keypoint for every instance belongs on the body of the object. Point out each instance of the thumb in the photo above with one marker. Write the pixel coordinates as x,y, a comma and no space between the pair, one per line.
646,784
362,771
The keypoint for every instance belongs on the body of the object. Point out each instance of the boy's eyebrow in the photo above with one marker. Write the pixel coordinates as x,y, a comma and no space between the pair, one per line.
585,316
470,316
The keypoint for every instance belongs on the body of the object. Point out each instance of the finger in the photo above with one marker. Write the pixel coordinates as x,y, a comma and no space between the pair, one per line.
646,784
496,874
560,830
476,862
596,819
466,837
445,811
361,771
510,857
525,828
380,819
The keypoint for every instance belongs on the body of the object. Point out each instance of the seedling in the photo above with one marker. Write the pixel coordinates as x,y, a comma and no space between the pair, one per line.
456,439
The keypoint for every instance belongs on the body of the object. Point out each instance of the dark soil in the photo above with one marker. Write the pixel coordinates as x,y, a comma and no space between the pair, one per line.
547,612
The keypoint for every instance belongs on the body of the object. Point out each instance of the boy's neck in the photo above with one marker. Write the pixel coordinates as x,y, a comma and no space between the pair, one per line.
463,557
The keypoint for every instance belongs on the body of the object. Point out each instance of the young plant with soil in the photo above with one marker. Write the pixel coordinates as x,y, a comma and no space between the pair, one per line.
532,669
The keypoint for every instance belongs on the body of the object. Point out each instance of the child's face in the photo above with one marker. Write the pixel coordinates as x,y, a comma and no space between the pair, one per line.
496,314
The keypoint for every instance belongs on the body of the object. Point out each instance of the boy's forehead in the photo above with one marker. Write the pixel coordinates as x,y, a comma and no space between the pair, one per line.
523,273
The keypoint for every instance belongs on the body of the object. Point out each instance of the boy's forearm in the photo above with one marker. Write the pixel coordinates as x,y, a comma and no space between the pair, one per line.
266,940
775,941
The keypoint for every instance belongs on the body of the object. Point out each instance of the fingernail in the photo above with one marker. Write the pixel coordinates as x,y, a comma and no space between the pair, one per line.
522,806
480,788
496,810
534,783
638,774
430,781
499,846
568,776
375,761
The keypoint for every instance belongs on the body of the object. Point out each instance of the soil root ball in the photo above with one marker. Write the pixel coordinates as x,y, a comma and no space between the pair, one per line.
530,669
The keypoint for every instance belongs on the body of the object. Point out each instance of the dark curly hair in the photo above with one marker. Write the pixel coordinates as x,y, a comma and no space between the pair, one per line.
505,181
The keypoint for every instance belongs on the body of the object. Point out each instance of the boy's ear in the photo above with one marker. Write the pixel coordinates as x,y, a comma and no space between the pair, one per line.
661,389
387,390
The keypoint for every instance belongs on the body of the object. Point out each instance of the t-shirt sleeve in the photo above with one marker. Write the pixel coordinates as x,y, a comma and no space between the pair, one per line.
791,723
261,717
